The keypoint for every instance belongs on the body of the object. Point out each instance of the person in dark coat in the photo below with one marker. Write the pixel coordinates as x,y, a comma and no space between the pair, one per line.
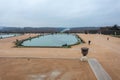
89,42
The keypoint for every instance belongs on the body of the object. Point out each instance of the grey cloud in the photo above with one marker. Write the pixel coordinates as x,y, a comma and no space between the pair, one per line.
59,12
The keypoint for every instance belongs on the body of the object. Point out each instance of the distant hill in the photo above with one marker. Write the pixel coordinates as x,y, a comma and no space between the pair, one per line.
86,28
82,29
104,30
31,29
1,27
44,29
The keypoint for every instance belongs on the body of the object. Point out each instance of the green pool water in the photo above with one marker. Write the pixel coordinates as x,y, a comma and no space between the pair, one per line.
52,40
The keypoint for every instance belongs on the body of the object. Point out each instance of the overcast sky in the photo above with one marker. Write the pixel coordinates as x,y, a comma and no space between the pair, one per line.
59,13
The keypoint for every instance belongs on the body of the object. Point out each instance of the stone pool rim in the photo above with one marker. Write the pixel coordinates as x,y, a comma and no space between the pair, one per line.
19,45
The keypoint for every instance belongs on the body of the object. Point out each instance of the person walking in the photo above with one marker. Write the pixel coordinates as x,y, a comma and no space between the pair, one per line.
89,42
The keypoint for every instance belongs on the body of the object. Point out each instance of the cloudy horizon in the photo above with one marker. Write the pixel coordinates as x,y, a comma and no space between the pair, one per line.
59,13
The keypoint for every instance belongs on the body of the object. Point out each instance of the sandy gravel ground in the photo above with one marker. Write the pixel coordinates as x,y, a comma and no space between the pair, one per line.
45,69
62,61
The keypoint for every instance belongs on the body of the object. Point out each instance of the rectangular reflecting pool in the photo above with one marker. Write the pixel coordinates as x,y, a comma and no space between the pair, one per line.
52,40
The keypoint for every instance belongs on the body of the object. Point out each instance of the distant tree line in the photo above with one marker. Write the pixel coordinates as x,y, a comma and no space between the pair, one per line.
30,30
93,30
113,30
